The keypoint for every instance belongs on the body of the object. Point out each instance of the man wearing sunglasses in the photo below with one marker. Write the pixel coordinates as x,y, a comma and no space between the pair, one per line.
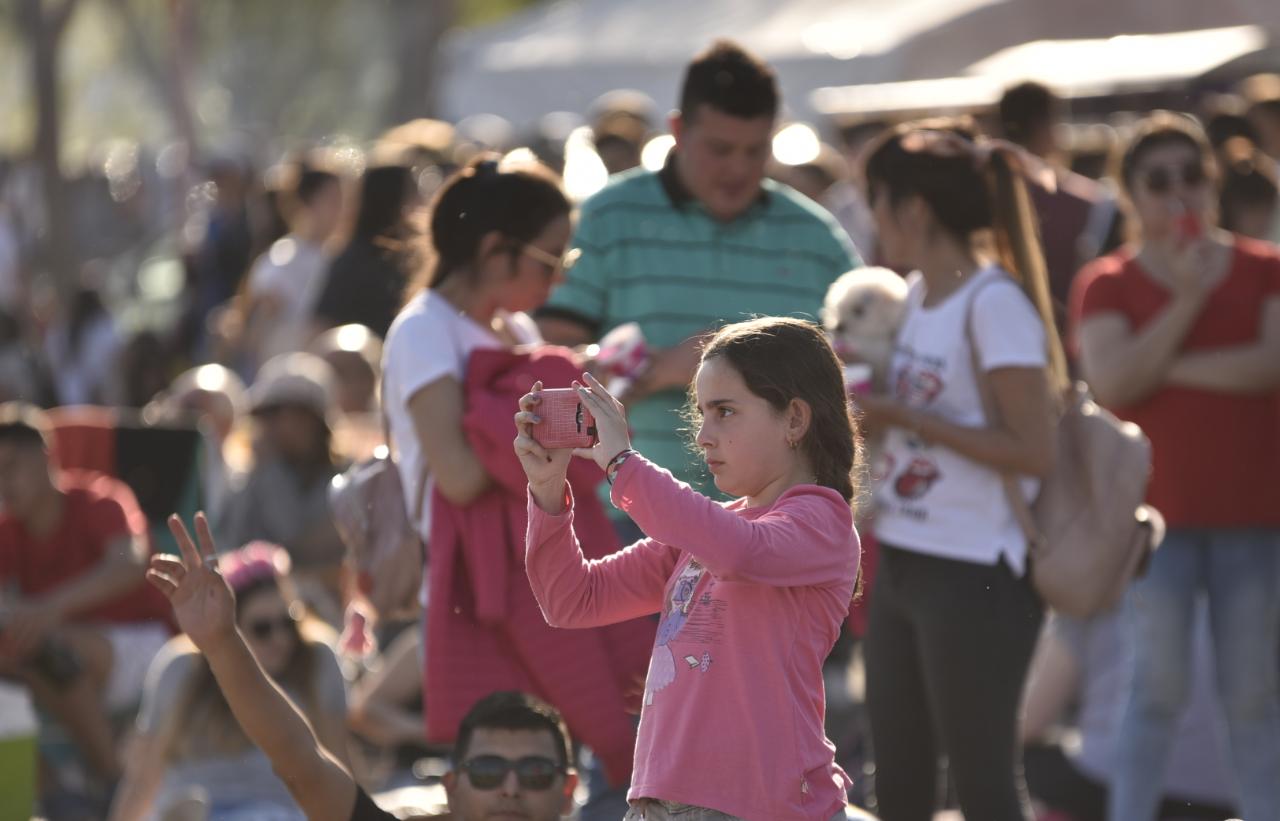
511,761
511,754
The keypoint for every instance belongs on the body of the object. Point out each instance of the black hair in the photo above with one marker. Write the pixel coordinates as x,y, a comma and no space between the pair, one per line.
1025,109
731,80
1224,126
971,200
86,306
311,181
1249,180
511,710
383,192
1161,128
518,202
23,425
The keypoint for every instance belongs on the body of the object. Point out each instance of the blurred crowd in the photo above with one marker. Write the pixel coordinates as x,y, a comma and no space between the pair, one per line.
223,348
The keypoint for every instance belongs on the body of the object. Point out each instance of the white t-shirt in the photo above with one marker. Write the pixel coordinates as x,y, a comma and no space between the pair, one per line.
929,498
429,340
292,272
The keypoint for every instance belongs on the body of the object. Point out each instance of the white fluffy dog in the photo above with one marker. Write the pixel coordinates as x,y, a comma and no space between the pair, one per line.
861,313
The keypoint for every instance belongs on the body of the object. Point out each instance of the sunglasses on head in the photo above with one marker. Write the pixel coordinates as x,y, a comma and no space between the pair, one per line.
1159,180
262,629
533,772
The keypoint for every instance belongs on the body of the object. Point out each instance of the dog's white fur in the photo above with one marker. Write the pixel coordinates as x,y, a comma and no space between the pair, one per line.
862,313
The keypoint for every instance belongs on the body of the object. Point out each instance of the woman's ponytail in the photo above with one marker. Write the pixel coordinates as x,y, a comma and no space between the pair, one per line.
1017,245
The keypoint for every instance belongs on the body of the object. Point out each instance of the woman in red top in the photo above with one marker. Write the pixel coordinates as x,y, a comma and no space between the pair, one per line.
1180,333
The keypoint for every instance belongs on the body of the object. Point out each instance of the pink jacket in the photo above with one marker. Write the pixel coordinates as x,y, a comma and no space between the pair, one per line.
484,630
751,602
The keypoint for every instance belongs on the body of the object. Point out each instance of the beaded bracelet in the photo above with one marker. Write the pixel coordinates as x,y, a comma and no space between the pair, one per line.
611,469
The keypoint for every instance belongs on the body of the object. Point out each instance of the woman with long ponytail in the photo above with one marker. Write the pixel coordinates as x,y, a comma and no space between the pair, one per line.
954,619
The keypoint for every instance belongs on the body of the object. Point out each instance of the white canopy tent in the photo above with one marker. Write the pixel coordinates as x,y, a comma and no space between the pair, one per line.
562,54
1074,68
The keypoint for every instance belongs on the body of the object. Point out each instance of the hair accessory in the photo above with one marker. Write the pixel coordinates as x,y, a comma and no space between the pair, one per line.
615,464
949,144
257,561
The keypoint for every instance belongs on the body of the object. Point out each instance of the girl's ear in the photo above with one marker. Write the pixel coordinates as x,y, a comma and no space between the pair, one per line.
799,416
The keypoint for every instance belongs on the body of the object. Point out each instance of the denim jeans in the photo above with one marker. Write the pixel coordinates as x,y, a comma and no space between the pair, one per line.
1239,571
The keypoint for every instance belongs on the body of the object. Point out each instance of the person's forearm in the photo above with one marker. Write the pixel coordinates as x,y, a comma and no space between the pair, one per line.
1248,369
387,724
1128,374
994,447
144,770
110,579
464,483
574,592
266,714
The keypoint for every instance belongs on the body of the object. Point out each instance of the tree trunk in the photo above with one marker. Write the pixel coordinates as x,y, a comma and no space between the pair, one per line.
44,24
419,27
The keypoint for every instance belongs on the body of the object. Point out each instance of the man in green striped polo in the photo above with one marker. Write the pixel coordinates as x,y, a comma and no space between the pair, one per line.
704,242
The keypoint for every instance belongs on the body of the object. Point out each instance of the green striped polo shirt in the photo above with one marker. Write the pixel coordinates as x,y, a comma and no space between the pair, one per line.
651,254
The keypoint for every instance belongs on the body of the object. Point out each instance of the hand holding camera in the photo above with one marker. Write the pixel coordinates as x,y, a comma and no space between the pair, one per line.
555,424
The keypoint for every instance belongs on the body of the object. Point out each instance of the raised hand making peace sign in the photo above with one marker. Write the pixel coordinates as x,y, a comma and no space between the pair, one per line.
202,602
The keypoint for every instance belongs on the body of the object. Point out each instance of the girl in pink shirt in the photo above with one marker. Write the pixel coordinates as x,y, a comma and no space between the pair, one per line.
751,592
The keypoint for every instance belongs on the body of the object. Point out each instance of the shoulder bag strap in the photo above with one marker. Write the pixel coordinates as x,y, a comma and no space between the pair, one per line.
1012,492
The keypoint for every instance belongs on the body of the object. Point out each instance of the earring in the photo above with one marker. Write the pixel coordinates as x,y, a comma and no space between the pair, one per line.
792,443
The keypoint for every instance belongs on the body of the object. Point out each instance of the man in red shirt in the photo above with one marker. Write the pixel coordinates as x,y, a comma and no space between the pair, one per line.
78,625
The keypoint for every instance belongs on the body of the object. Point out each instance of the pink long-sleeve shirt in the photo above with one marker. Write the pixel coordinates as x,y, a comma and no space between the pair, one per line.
751,603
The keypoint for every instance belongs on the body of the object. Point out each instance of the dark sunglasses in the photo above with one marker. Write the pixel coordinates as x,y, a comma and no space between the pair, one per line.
262,629
1159,180
533,772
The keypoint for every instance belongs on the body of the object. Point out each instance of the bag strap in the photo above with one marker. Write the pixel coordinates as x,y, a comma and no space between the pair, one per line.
1012,492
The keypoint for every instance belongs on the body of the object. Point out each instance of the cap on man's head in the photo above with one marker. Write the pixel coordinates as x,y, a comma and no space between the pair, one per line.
22,423
294,379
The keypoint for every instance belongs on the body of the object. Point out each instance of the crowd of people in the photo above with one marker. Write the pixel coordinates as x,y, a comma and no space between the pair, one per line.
676,617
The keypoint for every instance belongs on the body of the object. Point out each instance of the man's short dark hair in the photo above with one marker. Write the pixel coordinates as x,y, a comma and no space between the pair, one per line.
510,710
730,80
1025,109
24,424
311,181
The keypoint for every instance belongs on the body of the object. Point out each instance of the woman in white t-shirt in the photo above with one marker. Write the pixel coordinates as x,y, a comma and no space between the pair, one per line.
498,234
953,617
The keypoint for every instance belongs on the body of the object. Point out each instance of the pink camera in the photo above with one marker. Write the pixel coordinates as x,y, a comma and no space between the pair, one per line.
566,422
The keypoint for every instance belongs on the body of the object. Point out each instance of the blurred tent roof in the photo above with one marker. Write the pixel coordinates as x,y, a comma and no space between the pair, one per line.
562,54
1073,68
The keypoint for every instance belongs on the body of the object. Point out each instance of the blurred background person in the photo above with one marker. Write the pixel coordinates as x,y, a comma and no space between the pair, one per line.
226,245
1076,692
81,348
498,236
1180,334
621,123
189,759
286,281
355,355
1078,218
1249,201
214,398
365,283
283,498
953,615
76,625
